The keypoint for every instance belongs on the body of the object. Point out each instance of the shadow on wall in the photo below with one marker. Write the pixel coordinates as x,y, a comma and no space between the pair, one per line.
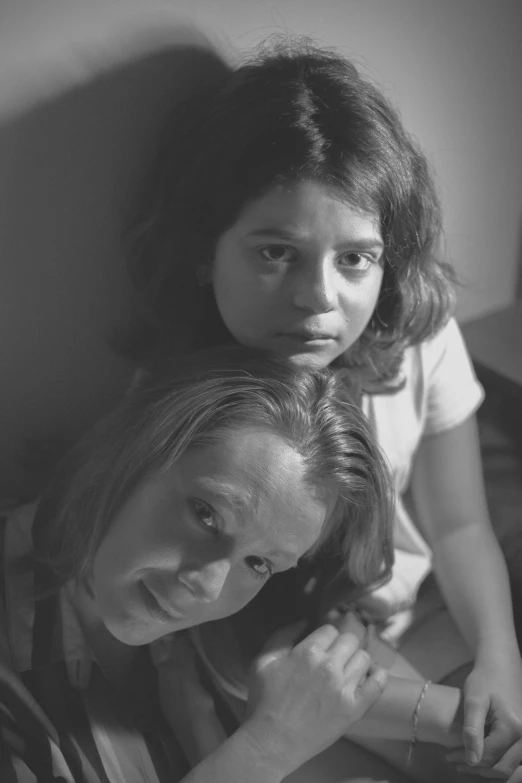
68,166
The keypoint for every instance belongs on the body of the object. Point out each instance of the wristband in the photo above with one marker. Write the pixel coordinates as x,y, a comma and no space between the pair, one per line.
415,723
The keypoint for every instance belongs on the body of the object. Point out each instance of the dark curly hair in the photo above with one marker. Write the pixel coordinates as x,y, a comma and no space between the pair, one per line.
290,113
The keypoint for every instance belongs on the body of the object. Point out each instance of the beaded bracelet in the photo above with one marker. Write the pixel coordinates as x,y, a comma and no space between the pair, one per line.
415,723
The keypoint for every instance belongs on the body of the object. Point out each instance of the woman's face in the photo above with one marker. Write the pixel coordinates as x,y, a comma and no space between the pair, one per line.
197,542
299,273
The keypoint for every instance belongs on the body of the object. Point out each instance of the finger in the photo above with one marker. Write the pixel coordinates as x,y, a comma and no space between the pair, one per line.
320,638
373,685
367,780
487,773
349,623
510,761
500,737
505,767
359,669
475,713
343,647
371,637
516,777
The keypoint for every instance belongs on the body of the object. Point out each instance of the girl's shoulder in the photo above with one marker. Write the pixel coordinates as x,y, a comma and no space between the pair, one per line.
438,389
445,352
442,380
445,345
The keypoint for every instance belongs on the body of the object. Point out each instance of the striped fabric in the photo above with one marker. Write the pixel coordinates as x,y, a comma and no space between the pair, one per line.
60,718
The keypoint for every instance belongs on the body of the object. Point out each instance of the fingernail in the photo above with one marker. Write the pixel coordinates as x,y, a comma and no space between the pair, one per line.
473,757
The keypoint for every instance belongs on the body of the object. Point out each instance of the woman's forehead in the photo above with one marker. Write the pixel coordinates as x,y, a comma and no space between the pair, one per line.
261,479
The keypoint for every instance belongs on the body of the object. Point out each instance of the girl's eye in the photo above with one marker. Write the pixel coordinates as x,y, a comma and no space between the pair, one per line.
261,568
206,515
276,253
357,261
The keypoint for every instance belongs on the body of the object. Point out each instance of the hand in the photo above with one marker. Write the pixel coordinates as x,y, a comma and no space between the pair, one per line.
492,733
304,697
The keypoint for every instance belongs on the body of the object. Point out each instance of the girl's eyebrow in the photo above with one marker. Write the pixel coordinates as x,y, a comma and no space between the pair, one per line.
281,233
361,243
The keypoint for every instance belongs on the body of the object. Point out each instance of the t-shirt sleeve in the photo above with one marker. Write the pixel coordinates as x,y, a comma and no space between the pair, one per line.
453,391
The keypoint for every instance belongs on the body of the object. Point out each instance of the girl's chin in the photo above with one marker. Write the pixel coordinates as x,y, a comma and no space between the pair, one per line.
312,361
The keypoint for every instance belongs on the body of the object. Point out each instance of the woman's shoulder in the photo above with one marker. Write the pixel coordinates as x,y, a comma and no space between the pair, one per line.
15,531
16,599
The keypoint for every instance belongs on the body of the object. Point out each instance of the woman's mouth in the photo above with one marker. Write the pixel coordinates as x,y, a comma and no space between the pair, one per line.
309,338
157,605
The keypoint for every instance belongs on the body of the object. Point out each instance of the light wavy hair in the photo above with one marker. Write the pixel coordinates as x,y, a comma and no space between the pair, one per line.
194,401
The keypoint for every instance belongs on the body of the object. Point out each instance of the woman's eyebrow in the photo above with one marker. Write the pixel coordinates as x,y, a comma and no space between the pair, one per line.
242,503
237,499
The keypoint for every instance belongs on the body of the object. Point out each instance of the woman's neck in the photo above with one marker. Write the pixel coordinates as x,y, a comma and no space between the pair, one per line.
115,658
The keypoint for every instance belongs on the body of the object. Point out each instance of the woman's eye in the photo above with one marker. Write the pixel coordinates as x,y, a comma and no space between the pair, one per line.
206,515
276,253
357,261
259,567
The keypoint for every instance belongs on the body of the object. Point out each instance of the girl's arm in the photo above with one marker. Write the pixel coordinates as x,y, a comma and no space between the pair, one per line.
391,717
241,758
449,496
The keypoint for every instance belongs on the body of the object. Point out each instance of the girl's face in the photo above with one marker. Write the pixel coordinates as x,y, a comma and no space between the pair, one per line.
299,273
197,542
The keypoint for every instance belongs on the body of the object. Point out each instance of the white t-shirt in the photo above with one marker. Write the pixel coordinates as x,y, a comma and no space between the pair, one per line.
441,392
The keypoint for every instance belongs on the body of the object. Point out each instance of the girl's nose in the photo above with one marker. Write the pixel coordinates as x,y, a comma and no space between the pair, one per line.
314,286
206,582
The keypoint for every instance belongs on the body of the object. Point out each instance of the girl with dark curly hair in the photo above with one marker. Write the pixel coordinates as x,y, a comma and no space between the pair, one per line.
289,209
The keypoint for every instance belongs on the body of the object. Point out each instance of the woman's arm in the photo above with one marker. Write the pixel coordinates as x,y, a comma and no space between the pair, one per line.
303,696
240,758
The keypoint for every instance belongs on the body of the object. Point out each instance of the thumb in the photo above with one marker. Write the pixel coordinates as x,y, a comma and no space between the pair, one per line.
475,713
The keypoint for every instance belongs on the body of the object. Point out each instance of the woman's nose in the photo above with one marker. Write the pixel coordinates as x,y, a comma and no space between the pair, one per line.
314,286
206,582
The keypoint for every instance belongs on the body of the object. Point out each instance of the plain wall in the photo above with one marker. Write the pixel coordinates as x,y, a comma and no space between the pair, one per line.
84,85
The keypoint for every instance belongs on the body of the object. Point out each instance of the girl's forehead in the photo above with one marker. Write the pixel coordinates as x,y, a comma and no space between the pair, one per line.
284,202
